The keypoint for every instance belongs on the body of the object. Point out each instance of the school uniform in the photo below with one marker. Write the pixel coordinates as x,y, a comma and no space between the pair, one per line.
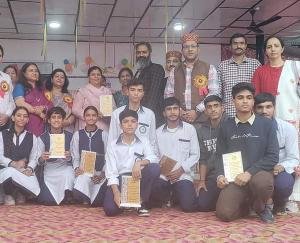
288,158
120,158
57,174
146,125
180,144
20,147
84,187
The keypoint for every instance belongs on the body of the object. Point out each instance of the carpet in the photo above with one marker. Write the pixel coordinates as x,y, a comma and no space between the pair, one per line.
35,223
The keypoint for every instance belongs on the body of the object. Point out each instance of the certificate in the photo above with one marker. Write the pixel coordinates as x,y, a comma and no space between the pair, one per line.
106,105
166,165
57,146
130,192
233,165
88,161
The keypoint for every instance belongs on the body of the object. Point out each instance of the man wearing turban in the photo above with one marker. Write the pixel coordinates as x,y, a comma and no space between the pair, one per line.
192,80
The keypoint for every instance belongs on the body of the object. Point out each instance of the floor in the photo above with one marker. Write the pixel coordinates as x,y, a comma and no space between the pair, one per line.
35,223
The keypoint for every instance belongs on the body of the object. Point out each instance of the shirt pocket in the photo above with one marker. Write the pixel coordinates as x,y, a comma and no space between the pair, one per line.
184,145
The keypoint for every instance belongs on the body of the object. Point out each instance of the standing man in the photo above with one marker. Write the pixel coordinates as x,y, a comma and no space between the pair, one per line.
192,80
255,137
7,103
152,76
288,151
173,59
178,141
238,68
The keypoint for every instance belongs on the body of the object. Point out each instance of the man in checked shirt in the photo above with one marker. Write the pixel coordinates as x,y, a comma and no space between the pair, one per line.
238,68
191,81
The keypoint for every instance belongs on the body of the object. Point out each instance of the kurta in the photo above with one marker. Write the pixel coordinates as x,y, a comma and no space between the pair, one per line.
90,141
58,173
19,147
86,96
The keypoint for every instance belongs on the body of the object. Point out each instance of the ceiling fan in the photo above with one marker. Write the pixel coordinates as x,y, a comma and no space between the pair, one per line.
256,27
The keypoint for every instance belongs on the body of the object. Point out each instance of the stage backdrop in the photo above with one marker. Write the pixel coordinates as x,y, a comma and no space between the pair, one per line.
117,55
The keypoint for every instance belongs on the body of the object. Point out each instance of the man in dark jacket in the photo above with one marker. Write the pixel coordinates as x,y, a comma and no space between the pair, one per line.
152,75
255,138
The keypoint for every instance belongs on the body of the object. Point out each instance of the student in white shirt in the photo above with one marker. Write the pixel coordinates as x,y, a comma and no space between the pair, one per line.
284,171
146,122
129,154
178,141
57,174
18,155
88,189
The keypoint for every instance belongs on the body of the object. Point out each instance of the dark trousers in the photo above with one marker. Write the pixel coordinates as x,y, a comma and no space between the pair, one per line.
12,188
150,173
98,202
183,193
207,199
283,188
45,197
234,201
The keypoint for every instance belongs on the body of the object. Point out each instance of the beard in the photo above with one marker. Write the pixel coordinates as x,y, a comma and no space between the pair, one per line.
142,62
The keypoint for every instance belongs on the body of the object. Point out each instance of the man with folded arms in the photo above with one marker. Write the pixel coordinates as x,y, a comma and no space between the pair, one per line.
255,137
177,140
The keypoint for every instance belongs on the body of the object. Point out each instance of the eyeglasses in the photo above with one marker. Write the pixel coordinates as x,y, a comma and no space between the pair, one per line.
189,46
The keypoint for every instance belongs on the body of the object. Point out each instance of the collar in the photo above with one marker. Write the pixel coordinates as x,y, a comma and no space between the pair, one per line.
120,141
180,125
250,120
140,110
231,60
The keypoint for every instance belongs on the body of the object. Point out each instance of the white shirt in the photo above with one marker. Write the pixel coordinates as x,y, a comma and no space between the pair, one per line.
33,157
288,145
120,157
145,129
74,147
181,145
7,104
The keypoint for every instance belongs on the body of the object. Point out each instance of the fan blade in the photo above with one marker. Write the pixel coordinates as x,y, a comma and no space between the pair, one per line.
255,29
268,21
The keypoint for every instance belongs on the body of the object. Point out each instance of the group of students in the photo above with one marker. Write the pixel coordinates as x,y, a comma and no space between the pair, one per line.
134,145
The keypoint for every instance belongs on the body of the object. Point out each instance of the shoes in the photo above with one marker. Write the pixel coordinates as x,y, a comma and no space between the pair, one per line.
266,215
143,212
279,211
292,207
9,200
20,198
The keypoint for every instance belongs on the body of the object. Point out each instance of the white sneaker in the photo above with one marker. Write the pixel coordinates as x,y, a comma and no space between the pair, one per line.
20,198
9,200
292,207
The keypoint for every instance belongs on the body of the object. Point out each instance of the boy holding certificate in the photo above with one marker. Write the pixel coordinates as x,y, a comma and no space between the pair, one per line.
284,178
254,138
206,186
55,161
88,149
129,154
177,141
146,122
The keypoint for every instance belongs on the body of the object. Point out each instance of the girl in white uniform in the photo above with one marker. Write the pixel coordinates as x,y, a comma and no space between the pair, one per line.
18,156
91,138
57,174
